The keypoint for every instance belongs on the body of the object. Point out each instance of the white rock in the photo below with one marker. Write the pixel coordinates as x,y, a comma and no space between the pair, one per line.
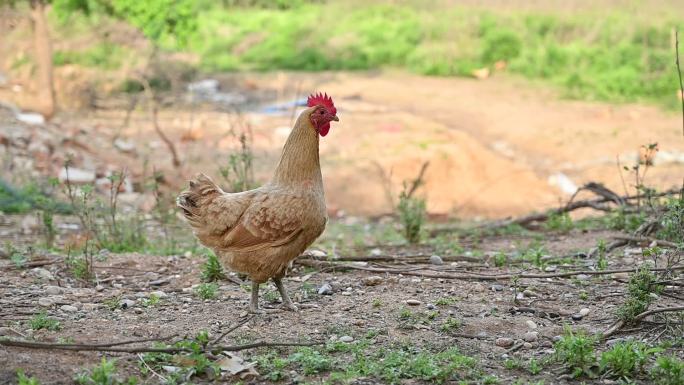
346,339
90,306
53,290
584,312
124,145
45,302
68,308
42,273
531,336
530,324
436,260
413,302
373,280
77,176
159,294
504,342
317,253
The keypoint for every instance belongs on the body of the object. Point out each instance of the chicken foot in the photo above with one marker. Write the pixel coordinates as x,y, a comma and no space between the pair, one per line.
287,302
254,303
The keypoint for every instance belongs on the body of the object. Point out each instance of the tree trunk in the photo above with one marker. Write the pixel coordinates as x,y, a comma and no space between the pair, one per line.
41,40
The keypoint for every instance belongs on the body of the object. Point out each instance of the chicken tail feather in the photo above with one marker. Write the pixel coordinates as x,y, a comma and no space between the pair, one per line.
202,190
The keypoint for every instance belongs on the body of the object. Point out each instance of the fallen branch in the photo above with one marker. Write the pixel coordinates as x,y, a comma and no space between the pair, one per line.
232,329
619,324
649,240
42,262
144,349
465,276
416,258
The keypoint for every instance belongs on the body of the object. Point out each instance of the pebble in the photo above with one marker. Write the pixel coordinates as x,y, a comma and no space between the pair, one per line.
346,339
375,252
53,290
159,294
138,310
413,302
325,289
529,293
99,288
531,337
45,302
431,306
530,324
90,306
317,253
557,338
127,303
527,346
584,312
583,277
5,331
42,273
436,260
497,288
373,280
69,308
504,342
546,344
577,317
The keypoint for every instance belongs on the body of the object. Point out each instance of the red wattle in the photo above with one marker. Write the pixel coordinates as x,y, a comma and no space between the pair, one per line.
323,130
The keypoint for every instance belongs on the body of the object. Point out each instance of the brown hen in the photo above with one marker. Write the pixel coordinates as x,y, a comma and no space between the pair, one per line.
258,232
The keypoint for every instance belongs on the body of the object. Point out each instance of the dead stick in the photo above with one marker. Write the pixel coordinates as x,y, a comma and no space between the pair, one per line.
170,350
619,324
679,73
659,242
232,329
479,277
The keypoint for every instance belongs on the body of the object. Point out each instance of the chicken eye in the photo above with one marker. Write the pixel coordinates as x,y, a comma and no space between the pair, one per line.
321,112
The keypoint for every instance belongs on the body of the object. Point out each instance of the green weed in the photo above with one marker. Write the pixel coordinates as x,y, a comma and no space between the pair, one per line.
42,321
626,360
412,215
560,222
24,380
641,284
103,374
207,290
576,352
668,370
212,270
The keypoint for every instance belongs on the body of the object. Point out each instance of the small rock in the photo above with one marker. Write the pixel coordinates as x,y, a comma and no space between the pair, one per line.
583,277
5,331
42,273
529,293
577,317
77,176
317,253
45,302
504,342
550,269
346,339
531,337
584,312
527,346
373,280
413,302
138,310
53,290
530,324
124,145
436,260
431,306
546,344
375,252
159,294
497,288
90,306
127,303
557,338
99,288
69,308
325,289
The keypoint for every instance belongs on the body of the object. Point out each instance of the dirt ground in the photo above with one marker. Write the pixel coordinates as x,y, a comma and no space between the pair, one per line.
534,310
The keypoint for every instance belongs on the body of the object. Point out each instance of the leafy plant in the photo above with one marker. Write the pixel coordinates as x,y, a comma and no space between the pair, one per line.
103,374
668,370
560,222
641,284
625,360
412,214
42,321
576,352
24,380
207,290
450,325
239,172
672,222
311,361
212,270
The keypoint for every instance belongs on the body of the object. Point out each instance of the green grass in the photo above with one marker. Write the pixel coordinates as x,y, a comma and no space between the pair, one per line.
609,56
626,360
23,379
207,290
576,352
104,55
103,374
668,370
42,321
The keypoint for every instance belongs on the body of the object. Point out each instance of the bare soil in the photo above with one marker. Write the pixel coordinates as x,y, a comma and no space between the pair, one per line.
487,310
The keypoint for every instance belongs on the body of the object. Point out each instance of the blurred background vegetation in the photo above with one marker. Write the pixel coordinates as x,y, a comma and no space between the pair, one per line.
615,51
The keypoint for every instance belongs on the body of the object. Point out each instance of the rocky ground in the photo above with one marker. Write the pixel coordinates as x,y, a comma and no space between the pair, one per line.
502,328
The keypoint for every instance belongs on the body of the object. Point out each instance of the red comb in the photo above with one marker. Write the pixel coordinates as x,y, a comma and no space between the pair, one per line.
322,100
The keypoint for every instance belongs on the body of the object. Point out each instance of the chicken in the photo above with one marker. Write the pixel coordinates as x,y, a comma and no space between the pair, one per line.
259,232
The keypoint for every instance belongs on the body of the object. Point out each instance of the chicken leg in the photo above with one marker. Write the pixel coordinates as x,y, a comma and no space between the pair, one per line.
254,303
287,303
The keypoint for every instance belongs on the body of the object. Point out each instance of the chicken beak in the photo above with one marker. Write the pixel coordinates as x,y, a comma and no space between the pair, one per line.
335,118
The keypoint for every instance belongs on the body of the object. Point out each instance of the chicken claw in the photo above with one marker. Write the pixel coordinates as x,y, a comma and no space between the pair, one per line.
287,302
